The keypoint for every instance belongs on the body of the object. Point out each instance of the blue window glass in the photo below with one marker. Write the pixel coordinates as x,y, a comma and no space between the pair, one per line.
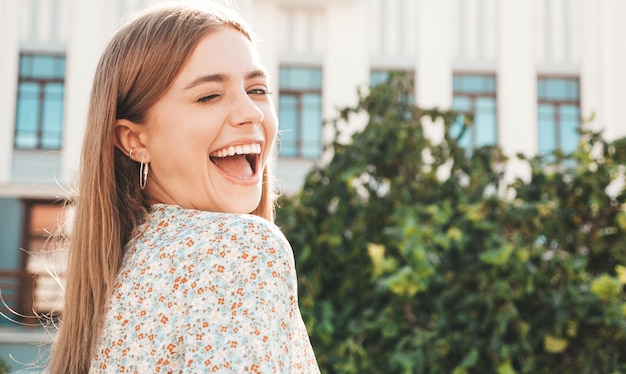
378,76
52,116
26,66
475,94
311,120
27,115
474,83
463,105
559,114
300,78
547,128
485,121
300,112
288,120
569,127
40,96
43,67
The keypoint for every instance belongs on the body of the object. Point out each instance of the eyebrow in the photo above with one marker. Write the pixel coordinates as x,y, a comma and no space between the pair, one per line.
223,77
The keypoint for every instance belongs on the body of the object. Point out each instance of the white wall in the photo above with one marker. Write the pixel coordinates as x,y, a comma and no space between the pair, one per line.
516,85
516,40
93,16
9,44
616,126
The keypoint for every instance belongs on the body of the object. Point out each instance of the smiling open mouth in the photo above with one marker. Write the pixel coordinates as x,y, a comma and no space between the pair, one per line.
238,161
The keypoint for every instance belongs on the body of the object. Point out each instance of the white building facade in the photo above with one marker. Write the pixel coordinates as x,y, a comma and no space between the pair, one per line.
531,71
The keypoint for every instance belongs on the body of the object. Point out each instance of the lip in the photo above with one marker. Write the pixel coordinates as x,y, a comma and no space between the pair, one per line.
245,181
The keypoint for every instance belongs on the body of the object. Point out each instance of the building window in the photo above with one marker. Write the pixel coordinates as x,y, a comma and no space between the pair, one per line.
559,114
41,259
39,114
300,112
476,94
378,76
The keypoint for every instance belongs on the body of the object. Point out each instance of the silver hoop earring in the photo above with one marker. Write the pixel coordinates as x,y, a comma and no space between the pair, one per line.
130,154
143,174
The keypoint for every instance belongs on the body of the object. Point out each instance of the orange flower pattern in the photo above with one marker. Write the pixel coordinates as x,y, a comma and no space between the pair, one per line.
205,292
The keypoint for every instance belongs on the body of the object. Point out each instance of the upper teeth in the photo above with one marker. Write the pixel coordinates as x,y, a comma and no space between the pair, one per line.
238,150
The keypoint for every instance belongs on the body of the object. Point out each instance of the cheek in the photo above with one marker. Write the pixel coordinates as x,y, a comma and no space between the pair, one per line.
270,124
178,150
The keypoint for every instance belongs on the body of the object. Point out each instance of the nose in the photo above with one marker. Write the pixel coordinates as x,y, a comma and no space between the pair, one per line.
244,111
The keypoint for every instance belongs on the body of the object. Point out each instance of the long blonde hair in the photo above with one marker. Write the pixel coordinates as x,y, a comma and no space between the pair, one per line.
137,67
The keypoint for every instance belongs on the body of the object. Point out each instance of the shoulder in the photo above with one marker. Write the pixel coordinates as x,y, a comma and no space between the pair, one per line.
203,226
247,228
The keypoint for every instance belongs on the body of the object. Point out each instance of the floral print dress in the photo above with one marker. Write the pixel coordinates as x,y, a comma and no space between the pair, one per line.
205,292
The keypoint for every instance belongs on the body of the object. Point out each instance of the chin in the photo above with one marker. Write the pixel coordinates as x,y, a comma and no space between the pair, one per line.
244,205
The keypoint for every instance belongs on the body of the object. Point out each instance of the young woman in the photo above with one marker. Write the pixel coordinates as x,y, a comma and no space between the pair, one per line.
168,270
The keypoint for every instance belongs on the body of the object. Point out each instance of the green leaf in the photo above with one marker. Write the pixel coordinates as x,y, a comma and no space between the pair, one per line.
621,274
469,361
506,368
553,344
606,287
498,256
572,328
405,282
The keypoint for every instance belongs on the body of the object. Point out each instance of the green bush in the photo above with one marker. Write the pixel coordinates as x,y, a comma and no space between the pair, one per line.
4,368
410,261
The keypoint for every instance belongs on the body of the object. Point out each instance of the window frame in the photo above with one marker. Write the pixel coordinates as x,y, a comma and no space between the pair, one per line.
556,105
473,96
299,94
42,100
36,241
386,72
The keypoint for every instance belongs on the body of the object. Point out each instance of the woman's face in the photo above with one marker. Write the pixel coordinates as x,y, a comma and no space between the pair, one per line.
210,136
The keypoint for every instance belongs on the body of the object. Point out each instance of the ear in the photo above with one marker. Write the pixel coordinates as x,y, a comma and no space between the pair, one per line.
128,136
